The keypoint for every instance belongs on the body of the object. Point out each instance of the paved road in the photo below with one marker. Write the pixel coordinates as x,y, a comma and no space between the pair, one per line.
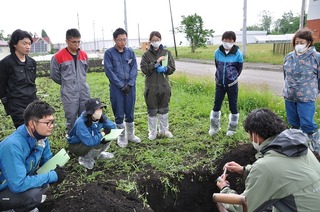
262,76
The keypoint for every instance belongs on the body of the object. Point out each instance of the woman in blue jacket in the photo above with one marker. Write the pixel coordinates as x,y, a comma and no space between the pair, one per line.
86,136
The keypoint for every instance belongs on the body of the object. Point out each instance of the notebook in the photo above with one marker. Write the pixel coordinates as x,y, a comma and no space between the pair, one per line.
61,158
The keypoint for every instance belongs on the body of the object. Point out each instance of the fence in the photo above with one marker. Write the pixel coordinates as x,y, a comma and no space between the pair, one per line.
282,48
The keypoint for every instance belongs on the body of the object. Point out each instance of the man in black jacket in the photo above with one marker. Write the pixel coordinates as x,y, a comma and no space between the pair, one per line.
17,77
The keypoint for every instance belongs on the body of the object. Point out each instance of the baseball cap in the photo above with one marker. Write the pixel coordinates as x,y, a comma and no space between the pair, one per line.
93,104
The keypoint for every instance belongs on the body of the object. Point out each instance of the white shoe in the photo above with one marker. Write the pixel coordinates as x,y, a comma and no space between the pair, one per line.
34,210
105,155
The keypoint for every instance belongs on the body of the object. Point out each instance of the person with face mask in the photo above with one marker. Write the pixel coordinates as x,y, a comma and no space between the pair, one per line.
285,175
157,64
229,62
86,137
301,70
21,154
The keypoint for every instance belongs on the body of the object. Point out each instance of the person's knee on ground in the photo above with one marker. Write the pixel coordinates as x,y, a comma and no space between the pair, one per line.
130,133
233,123
214,122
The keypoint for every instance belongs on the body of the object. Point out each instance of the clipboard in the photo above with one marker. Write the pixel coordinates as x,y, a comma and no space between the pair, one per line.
113,135
61,158
165,61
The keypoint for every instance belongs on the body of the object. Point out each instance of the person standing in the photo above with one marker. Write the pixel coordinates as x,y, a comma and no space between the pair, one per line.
120,66
157,87
18,76
22,153
229,62
301,70
69,68
86,137
285,175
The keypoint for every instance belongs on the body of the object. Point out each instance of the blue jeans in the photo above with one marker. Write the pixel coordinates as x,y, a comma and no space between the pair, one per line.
232,93
301,115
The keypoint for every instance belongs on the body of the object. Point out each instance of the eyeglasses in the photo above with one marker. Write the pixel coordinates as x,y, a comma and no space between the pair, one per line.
48,123
121,40
75,41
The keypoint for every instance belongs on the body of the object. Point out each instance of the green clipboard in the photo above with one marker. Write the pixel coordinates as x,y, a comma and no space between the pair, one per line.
165,61
113,135
60,159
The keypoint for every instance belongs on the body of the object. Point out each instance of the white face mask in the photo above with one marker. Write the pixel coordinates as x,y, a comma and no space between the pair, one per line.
156,44
97,114
300,48
227,45
255,145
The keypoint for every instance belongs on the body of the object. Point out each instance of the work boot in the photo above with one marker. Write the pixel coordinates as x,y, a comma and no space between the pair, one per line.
130,133
215,122
164,126
233,123
314,142
88,160
102,153
152,127
122,140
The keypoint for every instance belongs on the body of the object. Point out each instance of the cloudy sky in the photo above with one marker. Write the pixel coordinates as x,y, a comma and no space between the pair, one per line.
98,19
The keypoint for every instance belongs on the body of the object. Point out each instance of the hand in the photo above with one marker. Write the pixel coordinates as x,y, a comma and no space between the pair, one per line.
161,59
104,141
234,167
222,182
126,89
161,69
106,131
61,172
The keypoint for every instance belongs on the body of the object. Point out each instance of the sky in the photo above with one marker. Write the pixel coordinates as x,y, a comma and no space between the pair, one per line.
98,19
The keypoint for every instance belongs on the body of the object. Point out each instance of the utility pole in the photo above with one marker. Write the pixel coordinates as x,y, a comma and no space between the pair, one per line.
173,33
125,20
94,38
244,28
78,22
103,39
138,36
303,8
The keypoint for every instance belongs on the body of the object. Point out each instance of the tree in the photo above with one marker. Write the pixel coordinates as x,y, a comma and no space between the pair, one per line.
2,37
266,20
287,24
192,26
43,33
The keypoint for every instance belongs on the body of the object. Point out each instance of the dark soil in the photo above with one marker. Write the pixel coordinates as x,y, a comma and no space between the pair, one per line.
194,195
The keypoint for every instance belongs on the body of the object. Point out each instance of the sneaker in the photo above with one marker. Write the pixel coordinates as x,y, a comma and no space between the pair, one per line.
86,162
43,198
105,155
34,210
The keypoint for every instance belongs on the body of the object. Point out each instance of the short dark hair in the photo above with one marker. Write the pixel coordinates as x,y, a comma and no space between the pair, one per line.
264,122
229,35
119,31
305,34
154,33
37,110
17,35
72,33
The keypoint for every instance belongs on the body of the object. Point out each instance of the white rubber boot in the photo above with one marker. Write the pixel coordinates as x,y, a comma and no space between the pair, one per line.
233,123
103,154
122,140
130,133
314,142
152,127
214,122
87,160
164,126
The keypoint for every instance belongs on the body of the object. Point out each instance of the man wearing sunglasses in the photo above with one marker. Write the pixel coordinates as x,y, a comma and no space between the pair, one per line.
21,154
69,69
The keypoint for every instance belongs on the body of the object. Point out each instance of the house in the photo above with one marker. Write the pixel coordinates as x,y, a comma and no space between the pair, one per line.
41,45
313,19
4,49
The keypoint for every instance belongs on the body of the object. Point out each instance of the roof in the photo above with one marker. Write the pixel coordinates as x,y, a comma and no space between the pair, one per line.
3,43
45,39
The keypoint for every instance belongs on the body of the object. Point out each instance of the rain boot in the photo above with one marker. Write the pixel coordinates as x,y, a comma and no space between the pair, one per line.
87,160
233,123
164,126
215,122
152,127
122,140
103,154
314,142
130,133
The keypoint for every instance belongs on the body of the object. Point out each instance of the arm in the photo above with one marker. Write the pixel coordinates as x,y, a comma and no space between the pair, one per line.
110,70
55,74
85,135
171,64
240,63
4,75
133,73
109,124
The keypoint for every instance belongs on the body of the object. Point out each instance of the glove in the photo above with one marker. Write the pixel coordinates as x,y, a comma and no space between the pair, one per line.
104,141
61,172
126,89
161,69
106,131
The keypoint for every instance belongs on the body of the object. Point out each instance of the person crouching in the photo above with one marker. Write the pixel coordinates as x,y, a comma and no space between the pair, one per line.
86,137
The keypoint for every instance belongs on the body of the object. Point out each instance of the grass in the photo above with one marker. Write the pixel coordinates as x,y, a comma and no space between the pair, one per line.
262,53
